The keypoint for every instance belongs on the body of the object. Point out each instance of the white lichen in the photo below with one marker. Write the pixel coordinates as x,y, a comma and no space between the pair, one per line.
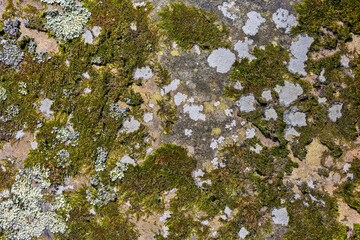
243,48
299,51
143,73
243,233
68,24
171,87
3,94
288,93
229,10
280,216
118,171
116,112
294,117
266,94
25,215
253,23
130,125
45,106
179,98
283,19
194,111
100,162
222,59
334,111
270,114
246,103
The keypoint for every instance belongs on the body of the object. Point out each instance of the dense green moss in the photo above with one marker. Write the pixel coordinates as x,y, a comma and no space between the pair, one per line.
316,221
167,168
265,71
187,26
109,223
328,21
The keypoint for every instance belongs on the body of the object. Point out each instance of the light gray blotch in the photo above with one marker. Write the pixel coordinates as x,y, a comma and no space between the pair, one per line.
288,93
334,112
222,59
299,51
294,117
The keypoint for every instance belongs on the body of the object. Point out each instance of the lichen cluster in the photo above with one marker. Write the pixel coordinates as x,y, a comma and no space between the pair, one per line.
97,120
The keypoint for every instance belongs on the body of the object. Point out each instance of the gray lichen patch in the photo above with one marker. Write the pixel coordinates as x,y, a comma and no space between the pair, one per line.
299,51
344,60
194,111
11,26
143,73
45,107
69,24
10,54
88,37
253,23
222,59
294,117
321,76
334,111
291,133
243,233
180,98
270,114
283,19
243,48
229,10
130,125
246,103
288,93
280,216
266,94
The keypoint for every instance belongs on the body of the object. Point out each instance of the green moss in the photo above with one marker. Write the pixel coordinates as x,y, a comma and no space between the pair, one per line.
328,21
265,71
187,26
167,111
167,168
109,222
315,221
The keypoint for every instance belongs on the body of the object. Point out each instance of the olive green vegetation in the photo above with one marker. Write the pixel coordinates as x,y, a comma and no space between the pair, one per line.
316,221
167,110
328,21
348,189
188,25
265,71
109,222
167,168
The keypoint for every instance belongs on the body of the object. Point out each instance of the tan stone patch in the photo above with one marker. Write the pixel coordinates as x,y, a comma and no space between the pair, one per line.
308,168
350,155
347,215
310,78
77,182
150,93
42,40
324,53
354,45
18,149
